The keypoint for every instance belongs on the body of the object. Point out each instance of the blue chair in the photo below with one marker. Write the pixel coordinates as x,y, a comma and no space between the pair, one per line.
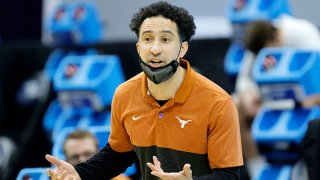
241,12
85,85
75,23
287,73
284,75
88,81
38,173
73,118
279,132
233,58
274,172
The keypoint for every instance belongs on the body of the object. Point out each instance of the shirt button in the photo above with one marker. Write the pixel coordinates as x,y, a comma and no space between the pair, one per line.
161,115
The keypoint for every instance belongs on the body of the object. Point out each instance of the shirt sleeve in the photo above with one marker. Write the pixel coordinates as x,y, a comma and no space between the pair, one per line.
232,173
224,140
119,139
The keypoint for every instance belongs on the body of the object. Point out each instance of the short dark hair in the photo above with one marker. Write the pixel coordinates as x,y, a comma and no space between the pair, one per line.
180,16
258,34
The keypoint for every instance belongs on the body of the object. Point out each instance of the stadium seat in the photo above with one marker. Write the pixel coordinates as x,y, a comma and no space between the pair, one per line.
38,173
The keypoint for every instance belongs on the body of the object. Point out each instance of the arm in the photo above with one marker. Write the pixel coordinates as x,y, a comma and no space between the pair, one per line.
106,164
244,79
222,173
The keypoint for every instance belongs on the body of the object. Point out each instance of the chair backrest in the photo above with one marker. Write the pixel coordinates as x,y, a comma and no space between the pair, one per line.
287,73
276,172
73,118
38,173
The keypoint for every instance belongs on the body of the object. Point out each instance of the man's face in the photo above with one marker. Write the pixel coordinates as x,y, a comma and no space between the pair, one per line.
159,42
79,150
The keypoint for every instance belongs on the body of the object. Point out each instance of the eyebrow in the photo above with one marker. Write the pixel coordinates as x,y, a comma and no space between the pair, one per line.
163,31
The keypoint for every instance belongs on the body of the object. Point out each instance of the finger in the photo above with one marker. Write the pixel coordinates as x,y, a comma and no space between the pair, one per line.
156,162
49,173
152,167
62,174
187,170
53,160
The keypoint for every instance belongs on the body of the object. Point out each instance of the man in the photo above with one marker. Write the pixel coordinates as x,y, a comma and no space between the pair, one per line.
178,123
286,31
81,145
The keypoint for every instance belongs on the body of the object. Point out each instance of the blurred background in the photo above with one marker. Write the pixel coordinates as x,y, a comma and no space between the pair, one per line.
31,44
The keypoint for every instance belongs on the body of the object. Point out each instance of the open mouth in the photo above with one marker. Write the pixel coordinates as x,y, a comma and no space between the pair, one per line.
156,64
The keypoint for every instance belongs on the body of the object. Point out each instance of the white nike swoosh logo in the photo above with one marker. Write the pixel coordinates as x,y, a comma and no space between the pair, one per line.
136,118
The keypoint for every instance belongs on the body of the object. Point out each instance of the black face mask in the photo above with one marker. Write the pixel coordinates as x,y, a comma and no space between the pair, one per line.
161,74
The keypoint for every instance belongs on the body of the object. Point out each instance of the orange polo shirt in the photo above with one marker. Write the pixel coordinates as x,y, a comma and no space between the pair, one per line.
199,125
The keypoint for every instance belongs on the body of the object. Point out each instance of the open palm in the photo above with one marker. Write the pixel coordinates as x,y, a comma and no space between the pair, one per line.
185,174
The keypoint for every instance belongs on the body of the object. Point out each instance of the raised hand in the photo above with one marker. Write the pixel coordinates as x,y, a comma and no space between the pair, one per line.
64,170
156,170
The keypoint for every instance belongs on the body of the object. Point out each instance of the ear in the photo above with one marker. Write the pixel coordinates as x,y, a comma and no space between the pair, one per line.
138,47
184,49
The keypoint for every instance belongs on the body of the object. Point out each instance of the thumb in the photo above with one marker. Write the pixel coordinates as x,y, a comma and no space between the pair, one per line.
187,170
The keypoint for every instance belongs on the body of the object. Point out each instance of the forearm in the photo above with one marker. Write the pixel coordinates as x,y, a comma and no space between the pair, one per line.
232,173
105,164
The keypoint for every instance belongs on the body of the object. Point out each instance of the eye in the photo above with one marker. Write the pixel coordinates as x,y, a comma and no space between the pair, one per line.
165,39
147,39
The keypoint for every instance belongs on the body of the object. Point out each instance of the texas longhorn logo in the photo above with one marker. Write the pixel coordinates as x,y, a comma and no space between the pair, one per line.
183,122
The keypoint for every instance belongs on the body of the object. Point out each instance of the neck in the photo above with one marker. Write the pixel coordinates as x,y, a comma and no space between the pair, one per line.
167,89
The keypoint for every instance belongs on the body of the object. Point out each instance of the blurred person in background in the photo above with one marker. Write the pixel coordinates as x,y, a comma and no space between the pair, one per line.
286,31
81,145
313,100
8,148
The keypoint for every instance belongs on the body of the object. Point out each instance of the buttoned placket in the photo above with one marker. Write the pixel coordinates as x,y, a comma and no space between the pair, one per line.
161,110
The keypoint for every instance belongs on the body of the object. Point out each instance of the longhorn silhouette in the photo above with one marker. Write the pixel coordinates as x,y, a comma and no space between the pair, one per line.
183,122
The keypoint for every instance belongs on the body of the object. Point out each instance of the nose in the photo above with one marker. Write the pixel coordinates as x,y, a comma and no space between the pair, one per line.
156,48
